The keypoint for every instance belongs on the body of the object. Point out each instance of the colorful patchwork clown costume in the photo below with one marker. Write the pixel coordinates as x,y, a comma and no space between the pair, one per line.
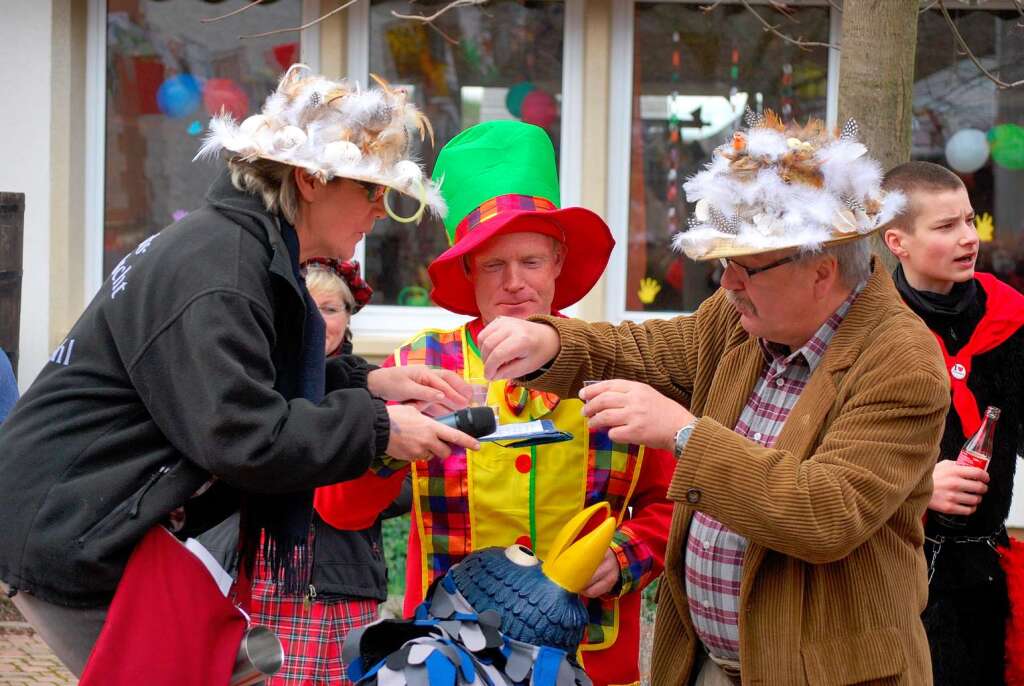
500,178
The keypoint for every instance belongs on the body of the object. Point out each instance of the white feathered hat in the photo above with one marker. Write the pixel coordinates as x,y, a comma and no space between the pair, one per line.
776,186
333,129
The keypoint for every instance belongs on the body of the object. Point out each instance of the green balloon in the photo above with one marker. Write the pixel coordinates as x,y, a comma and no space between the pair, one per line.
1006,144
515,96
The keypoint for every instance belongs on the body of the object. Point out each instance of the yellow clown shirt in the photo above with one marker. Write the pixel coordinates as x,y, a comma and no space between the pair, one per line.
498,496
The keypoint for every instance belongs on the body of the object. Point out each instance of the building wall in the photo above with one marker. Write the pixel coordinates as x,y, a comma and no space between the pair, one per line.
67,169
597,36
597,177
43,48
26,79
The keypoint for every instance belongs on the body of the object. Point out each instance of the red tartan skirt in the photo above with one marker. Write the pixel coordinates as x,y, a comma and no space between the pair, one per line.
311,634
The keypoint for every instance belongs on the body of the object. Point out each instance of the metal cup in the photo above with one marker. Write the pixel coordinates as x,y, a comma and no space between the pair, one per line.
260,655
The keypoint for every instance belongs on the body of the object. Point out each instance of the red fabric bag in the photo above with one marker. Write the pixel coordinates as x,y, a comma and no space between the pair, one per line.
168,624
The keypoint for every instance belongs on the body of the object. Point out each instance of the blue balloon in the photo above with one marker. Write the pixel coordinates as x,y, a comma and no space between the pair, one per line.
179,96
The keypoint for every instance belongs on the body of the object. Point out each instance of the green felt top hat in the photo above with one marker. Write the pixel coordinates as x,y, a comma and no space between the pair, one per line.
500,177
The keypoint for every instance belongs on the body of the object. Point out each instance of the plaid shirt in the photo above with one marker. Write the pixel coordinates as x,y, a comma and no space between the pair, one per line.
714,553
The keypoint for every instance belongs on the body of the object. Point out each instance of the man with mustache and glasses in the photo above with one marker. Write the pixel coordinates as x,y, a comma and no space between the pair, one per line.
979,322
803,402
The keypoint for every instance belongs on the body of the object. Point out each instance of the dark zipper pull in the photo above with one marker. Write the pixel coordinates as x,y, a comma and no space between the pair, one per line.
134,511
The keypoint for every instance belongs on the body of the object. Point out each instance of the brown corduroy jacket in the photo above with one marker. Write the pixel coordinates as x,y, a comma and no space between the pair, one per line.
833,581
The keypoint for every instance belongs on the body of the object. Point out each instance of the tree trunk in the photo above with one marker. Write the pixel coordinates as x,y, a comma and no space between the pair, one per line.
876,80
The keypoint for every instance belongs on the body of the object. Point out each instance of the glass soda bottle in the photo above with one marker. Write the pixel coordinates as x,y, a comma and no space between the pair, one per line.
977,452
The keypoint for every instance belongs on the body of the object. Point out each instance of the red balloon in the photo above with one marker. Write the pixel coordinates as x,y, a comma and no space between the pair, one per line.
539,108
226,95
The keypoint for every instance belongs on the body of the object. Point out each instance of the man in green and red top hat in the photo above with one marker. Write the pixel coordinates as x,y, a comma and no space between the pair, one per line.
515,253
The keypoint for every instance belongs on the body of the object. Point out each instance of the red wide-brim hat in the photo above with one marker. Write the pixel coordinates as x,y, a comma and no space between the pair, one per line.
587,239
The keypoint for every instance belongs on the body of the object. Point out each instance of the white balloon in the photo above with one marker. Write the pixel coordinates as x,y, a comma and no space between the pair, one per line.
967,150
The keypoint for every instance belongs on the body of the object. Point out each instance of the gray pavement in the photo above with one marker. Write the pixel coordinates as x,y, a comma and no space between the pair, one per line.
26,661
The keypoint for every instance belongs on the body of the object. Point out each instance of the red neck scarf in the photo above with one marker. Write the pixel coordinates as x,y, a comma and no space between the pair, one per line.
1004,315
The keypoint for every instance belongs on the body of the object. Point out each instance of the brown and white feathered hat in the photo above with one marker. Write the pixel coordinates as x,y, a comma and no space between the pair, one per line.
776,186
333,129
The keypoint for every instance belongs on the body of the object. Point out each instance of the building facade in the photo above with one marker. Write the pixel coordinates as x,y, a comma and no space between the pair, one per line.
110,99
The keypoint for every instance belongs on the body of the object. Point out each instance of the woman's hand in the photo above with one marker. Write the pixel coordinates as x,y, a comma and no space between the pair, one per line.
415,436
434,391
957,489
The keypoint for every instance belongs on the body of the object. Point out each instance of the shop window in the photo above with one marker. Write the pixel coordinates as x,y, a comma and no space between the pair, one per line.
964,121
474,64
694,74
167,73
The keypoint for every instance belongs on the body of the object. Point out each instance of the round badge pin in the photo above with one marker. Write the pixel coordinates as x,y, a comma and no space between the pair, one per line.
958,371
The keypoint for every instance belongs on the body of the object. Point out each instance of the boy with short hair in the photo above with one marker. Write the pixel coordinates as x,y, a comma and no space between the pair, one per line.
979,322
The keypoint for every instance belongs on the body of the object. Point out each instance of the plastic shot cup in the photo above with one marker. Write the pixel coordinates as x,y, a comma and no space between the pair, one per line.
480,387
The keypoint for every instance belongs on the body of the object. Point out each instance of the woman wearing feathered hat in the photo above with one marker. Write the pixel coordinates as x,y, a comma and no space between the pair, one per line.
199,369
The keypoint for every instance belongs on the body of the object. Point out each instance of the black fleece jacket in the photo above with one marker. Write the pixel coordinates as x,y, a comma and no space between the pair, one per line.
997,378
182,368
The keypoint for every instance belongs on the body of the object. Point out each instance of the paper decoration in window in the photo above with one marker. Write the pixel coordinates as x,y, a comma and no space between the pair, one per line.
985,226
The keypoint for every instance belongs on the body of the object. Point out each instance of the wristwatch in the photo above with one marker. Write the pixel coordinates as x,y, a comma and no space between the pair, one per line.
682,436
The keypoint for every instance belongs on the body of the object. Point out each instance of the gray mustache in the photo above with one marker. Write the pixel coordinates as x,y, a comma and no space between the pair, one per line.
736,299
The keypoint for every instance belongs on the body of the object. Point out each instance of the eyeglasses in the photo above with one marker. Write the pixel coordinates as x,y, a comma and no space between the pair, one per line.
747,272
328,310
374,191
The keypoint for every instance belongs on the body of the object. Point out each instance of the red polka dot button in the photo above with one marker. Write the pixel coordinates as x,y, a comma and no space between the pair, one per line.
523,463
525,542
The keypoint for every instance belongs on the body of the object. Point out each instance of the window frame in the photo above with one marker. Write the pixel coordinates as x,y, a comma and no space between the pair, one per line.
95,126
395,323
620,120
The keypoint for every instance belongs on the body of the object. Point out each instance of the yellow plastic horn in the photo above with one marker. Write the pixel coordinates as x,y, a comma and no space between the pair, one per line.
571,563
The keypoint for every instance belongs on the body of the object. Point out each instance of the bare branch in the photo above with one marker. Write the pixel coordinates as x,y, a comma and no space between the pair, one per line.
209,20
798,42
435,15
304,26
708,8
783,9
835,6
967,51
444,35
